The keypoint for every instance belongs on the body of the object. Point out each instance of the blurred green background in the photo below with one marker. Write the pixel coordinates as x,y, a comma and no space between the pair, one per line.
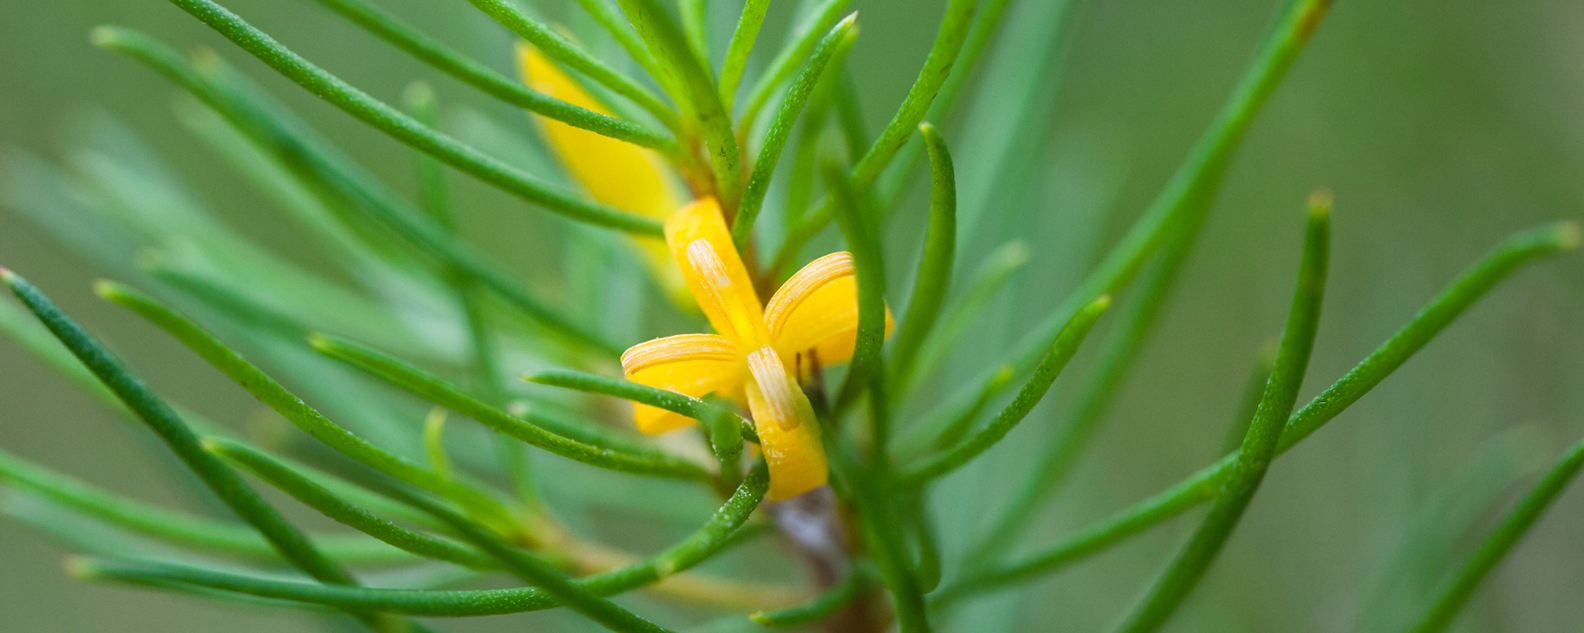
1439,126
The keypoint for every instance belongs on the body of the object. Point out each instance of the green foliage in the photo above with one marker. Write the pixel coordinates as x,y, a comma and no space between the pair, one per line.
419,498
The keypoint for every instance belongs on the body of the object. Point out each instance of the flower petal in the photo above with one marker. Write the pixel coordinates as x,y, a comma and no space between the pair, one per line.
789,435
702,246
691,364
613,172
815,313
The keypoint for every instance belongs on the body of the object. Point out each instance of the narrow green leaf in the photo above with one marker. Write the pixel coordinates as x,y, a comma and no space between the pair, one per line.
304,417
170,526
742,43
935,265
823,606
670,45
1259,445
434,442
915,511
1509,530
1082,424
393,122
800,41
993,273
430,51
834,44
626,390
620,30
344,182
702,544
863,239
947,425
654,462
536,571
1248,401
1512,254
559,48
696,27
342,511
1032,392
292,544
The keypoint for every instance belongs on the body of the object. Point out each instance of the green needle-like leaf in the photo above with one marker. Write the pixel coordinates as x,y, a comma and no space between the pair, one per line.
670,45
292,544
742,42
837,597
863,239
1032,392
935,265
702,544
536,571
947,426
342,511
800,42
1513,253
621,30
345,184
993,273
304,417
185,530
1259,445
840,38
411,379
443,58
1077,431
1510,529
401,127
559,48
627,390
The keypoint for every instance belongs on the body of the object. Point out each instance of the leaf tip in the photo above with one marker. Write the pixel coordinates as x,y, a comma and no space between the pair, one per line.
761,618
211,445
108,290
1570,235
1320,203
104,36
81,568
320,343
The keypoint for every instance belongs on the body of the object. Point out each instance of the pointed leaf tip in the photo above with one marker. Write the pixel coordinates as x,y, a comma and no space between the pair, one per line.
1570,235
80,567
1320,202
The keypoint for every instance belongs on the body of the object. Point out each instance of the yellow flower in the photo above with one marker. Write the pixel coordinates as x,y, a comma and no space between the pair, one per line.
613,172
759,350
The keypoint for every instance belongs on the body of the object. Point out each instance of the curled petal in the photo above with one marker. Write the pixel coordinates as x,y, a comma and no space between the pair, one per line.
691,364
702,246
789,434
814,316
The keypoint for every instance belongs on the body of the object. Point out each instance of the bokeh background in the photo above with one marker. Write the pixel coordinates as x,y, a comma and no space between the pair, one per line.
1439,126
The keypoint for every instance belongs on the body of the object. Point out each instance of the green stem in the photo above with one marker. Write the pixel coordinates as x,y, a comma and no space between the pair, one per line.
401,127
702,544
1513,253
1033,391
834,44
1259,445
559,48
653,463
1510,529
430,51
304,417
